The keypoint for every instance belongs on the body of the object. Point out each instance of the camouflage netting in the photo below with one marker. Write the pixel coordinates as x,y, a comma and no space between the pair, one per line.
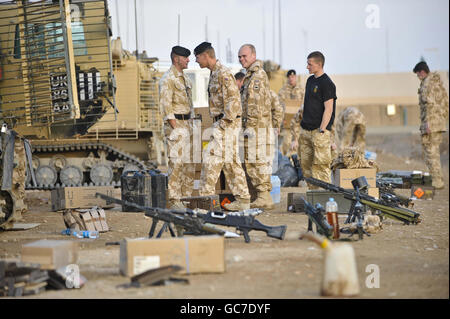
352,157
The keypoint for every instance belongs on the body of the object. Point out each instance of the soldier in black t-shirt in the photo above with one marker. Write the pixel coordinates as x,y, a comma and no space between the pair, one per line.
318,115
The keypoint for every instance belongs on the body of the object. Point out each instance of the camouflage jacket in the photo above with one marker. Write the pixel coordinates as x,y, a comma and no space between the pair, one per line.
288,92
295,125
433,101
223,95
345,124
256,97
175,94
276,110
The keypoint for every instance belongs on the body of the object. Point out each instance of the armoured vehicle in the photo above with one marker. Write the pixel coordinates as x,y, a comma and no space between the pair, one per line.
90,115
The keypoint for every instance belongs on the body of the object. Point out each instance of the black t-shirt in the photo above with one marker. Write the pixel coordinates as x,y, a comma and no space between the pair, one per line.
317,91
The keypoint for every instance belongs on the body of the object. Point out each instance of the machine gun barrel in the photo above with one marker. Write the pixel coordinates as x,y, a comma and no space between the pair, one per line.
198,222
243,221
192,224
390,210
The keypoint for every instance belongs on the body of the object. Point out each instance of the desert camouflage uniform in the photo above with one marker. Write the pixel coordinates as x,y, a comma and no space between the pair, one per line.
315,148
176,98
433,101
257,118
288,92
295,129
350,128
18,184
277,111
222,149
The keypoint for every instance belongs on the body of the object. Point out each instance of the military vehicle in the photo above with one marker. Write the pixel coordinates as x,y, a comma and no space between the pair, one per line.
90,115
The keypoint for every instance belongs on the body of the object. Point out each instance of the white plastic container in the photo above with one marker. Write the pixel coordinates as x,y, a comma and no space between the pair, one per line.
275,193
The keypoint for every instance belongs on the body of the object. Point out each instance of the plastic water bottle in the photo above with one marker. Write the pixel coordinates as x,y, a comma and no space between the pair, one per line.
331,209
87,234
81,233
276,189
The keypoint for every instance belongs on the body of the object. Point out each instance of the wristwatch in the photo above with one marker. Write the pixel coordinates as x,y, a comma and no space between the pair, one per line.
321,131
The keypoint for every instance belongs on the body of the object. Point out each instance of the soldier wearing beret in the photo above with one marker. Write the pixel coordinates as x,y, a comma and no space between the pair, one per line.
433,101
221,152
176,105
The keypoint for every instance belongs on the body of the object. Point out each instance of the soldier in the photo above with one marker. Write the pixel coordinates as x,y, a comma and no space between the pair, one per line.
239,77
276,109
290,91
225,109
318,117
176,104
257,123
433,101
295,130
350,129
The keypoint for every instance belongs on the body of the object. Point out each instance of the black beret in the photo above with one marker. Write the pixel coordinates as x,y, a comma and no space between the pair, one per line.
290,72
181,51
202,47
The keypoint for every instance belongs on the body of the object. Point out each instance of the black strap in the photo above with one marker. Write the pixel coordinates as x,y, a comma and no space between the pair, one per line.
183,116
219,117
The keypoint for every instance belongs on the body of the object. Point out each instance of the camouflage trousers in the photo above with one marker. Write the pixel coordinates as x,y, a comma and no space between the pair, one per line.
430,145
181,169
316,154
258,164
222,153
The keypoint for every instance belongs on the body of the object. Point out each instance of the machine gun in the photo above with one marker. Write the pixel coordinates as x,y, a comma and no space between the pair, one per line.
316,216
297,166
200,223
387,209
388,194
244,222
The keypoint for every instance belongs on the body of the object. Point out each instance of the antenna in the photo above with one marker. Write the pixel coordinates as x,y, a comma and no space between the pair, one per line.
128,28
279,32
264,32
206,29
117,13
218,43
229,53
178,29
135,28
305,38
273,33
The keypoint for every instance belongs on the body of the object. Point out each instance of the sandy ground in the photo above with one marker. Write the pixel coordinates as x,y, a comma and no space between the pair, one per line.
413,260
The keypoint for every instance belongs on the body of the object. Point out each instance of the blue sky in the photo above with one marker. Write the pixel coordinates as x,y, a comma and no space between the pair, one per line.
356,36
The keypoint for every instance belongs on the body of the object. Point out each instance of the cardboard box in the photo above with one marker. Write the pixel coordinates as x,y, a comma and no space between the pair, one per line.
51,254
196,254
82,197
343,177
